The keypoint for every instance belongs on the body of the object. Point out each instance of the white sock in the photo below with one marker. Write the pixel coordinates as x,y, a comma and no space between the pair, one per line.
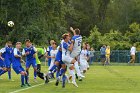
72,73
77,68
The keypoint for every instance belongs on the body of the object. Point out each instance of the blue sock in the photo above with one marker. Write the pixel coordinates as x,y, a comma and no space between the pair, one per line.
2,72
35,74
57,74
63,77
61,72
9,74
53,68
26,79
22,79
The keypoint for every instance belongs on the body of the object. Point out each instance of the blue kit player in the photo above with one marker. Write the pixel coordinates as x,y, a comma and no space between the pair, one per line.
30,51
17,59
7,58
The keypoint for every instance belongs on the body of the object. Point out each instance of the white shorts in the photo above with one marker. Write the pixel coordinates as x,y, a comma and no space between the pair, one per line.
83,65
74,54
67,59
51,65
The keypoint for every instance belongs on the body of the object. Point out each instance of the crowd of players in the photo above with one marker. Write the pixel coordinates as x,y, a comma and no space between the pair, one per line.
71,55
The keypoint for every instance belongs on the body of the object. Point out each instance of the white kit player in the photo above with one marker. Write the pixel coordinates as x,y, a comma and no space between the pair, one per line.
76,40
83,59
53,53
71,63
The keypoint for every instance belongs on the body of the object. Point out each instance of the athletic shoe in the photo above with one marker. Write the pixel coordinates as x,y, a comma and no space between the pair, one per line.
80,79
27,84
46,79
76,76
82,76
23,85
57,81
75,84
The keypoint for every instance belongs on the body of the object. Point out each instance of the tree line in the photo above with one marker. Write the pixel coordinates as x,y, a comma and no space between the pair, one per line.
113,22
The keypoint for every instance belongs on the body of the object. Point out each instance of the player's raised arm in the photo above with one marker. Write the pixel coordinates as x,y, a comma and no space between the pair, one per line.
71,29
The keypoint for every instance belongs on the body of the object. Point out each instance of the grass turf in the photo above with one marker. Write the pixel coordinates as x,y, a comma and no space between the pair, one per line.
99,79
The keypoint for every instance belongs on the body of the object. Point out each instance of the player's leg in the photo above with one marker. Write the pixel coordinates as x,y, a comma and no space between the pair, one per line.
77,67
34,65
28,64
72,73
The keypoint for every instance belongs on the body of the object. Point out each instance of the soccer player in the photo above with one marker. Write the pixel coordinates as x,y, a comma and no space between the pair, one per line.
2,63
67,59
76,40
53,53
17,65
30,51
83,59
7,58
48,52
41,51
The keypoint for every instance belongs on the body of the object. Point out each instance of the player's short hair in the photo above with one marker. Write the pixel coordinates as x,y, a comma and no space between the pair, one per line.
18,43
27,40
77,31
52,41
8,42
65,35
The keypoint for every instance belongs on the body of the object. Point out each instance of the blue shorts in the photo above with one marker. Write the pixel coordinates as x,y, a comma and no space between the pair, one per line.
18,69
8,63
103,56
31,62
2,63
60,61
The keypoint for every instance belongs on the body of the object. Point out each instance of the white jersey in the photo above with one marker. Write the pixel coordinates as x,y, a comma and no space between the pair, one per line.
53,53
65,46
133,50
77,43
84,54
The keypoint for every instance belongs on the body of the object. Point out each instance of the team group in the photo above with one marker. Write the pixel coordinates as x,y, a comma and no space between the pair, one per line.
71,55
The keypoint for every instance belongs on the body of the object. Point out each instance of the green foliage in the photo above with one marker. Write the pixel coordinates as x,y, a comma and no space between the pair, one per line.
42,20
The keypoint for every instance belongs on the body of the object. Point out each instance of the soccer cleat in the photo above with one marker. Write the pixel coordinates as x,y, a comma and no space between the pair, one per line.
23,85
57,81
46,79
76,76
27,84
82,76
80,79
75,84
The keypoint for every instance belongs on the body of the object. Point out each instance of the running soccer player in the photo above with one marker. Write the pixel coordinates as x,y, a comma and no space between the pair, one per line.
53,53
30,51
2,63
83,59
7,58
17,65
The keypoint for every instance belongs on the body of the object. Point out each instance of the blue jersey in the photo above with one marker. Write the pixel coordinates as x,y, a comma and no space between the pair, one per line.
8,52
49,49
31,51
16,60
58,56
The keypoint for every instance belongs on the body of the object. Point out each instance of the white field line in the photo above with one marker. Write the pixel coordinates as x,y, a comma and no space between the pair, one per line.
19,90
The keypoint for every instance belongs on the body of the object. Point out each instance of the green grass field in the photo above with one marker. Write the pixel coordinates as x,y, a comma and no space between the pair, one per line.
99,79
